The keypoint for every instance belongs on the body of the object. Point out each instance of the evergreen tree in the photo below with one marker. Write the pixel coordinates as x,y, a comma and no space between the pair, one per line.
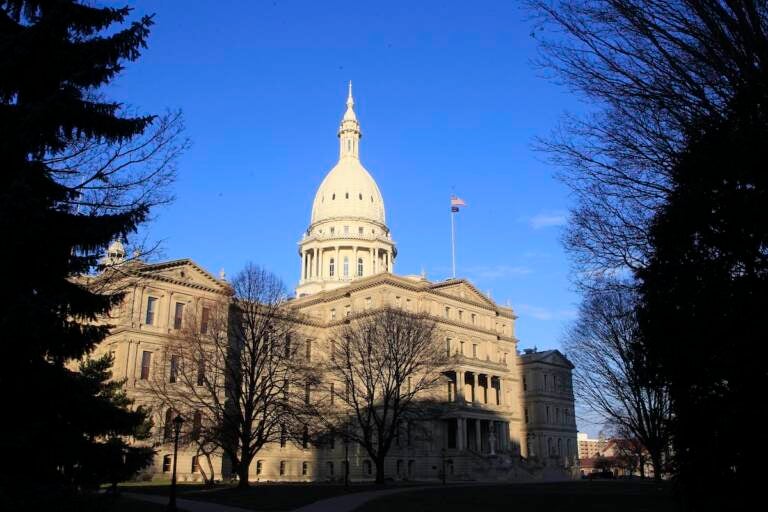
54,56
703,299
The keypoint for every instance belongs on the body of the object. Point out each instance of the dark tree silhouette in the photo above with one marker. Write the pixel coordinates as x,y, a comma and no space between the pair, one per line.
611,377
55,54
653,69
239,374
378,378
704,294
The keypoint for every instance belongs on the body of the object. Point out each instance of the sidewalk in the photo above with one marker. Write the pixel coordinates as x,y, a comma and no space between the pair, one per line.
350,502
185,505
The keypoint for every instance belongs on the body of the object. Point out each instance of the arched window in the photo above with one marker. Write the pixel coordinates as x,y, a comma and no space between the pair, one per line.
367,467
168,425
333,196
259,467
331,267
166,463
346,266
360,196
359,266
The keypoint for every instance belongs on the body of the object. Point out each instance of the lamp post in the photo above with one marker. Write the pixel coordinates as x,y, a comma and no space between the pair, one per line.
177,421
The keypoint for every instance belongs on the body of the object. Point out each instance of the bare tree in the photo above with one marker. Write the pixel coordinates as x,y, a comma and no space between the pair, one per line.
380,371
610,376
232,369
651,69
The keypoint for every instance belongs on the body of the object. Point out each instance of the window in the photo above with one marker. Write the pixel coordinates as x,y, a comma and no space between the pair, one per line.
359,266
461,347
282,468
168,425
347,310
333,230
367,303
448,347
346,266
329,465
547,414
195,464
447,312
307,392
174,368
546,383
333,314
333,350
525,383
461,314
346,194
473,317
197,426
474,350
304,468
259,467
178,316
204,319
151,306
201,372
367,467
361,198
346,230
146,364
359,231
332,393
283,437
505,358
305,438
333,196
308,348
557,415
407,304
398,302
166,463
526,415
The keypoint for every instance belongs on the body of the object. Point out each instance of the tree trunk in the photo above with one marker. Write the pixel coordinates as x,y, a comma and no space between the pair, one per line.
211,480
242,473
657,466
380,470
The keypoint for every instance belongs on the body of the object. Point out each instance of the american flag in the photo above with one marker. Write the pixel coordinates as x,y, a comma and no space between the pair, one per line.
456,202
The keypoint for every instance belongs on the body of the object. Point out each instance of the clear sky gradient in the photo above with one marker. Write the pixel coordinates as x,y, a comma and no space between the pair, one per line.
448,102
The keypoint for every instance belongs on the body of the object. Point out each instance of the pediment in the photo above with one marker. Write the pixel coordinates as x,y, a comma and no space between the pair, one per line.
184,272
463,290
552,357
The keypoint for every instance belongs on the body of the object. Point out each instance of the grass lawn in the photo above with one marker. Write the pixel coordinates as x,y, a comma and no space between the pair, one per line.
582,496
124,504
264,496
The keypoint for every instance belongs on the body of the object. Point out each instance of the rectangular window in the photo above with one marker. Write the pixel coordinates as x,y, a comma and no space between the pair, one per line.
367,303
461,347
304,468
146,364
473,318
461,315
204,319
525,383
448,347
174,368
283,437
447,312
195,464
201,372
259,466
333,314
547,414
308,348
347,310
178,316
332,392
333,350
151,306
474,350
282,468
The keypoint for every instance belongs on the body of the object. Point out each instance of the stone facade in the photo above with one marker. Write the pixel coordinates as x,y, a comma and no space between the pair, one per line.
494,423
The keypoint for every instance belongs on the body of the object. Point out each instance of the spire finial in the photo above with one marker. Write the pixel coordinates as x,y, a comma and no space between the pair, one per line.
350,100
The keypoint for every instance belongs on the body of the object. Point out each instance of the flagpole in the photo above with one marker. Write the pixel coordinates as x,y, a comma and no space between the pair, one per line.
453,245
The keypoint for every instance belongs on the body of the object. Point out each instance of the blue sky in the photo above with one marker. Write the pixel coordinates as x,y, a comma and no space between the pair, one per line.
448,103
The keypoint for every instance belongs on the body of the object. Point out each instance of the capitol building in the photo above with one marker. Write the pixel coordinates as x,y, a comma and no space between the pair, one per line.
506,414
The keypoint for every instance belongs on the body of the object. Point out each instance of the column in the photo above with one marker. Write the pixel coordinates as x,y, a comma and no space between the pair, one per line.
319,263
474,387
500,391
461,436
374,254
303,265
478,439
459,386
354,261
337,263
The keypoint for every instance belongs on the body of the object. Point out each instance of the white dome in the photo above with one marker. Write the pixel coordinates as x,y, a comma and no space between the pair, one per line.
348,191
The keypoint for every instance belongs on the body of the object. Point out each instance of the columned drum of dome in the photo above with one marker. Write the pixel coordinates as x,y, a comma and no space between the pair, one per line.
347,237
